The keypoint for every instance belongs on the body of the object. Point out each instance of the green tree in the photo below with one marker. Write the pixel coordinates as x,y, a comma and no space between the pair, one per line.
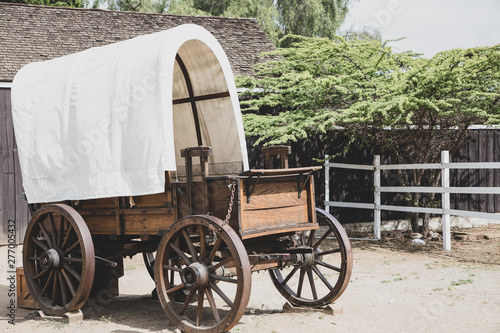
361,89
318,18
60,3
314,18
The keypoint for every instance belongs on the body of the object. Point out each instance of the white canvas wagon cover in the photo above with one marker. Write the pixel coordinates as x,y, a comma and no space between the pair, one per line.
109,121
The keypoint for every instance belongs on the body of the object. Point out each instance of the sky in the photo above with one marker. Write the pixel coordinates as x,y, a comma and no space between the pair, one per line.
430,26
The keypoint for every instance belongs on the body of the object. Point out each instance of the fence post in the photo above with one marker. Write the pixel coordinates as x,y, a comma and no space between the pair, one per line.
327,183
376,184
445,182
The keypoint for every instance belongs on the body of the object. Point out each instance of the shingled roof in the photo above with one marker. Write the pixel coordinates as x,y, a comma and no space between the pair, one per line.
35,33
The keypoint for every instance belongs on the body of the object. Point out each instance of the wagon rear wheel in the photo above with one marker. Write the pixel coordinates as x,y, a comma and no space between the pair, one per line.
203,258
324,276
58,259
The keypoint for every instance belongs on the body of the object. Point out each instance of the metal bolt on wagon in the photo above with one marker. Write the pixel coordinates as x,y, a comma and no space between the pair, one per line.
138,148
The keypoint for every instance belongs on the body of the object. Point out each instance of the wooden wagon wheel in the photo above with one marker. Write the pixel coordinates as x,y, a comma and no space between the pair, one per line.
328,271
204,258
58,259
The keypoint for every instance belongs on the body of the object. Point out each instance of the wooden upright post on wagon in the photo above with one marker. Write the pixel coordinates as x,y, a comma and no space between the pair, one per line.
281,151
188,154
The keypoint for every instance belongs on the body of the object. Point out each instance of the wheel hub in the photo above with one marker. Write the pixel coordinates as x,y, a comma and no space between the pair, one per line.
308,260
50,260
195,275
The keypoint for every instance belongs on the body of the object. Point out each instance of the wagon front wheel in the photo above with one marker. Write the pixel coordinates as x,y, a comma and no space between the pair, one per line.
58,259
323,276
203,275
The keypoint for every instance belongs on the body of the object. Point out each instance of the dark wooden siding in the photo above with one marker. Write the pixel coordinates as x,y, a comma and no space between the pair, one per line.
483,146
12,206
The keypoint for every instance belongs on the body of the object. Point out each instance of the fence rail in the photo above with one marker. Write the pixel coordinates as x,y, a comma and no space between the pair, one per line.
445,166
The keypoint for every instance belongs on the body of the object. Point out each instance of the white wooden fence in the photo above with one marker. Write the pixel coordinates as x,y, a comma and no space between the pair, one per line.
444,189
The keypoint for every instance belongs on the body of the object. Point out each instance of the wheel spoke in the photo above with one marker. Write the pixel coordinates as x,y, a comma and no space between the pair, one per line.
220,264
318,243
39,275
303,238
187,301
199,314
324,253
172,275
64,294
222,278
72,271
67,237
61,230
324,264
44,289
54,290
180,253
310,240
322,277
221,294
202,243
53,229
172,268
69,283
190,245
289,276
213,306
45,234
71,259
301,282
176,288
71,248
39,243
311,282
214,251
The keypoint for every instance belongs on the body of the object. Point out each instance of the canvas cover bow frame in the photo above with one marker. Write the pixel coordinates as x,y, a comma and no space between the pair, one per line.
109,121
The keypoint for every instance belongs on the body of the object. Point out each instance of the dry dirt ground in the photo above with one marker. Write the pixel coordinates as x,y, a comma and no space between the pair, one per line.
396,286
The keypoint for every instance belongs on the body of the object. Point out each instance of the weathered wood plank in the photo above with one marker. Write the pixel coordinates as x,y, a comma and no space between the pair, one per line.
101,224
101,203
490,180
9,156
274,195
496,173
474,174
9,207
4,161
273,217
153,200
21,205
482,156
147,224
278,230
462,200
311,204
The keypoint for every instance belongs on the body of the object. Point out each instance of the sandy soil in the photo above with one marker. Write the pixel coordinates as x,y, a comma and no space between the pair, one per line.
396,286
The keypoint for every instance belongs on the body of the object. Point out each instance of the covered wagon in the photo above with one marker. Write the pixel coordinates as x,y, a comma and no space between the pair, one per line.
138,148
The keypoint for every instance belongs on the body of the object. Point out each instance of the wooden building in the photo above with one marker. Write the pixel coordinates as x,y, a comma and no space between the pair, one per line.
36,33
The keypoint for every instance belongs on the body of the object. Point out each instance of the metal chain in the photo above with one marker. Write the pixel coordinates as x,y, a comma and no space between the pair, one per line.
230,209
